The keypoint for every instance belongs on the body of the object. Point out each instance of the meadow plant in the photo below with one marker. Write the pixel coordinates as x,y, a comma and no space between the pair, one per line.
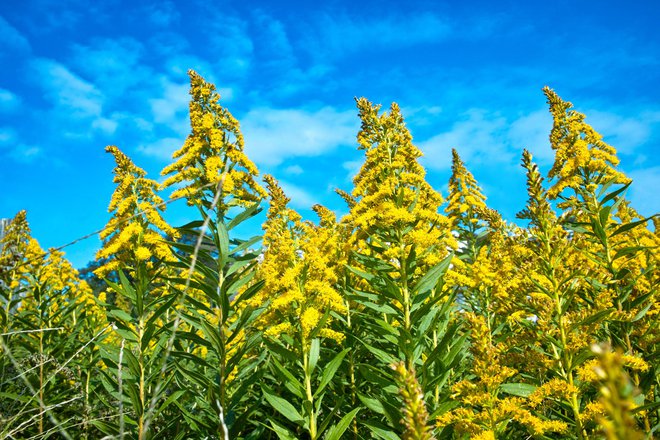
411,317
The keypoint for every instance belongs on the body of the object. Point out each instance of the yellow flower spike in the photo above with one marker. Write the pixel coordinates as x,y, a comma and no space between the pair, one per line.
136,230
415,416
580,153
390,191
212,153
298,268
465,197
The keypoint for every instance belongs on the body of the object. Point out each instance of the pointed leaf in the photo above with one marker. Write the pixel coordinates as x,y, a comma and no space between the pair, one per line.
330,370
336,431
282,406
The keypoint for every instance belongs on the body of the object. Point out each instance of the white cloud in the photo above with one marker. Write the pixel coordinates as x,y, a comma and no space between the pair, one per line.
162,13
480,139
272,135
12,38
352,167
344,34
8,100
229,38
7,135
108,126
172,107
112,64
643,192
625,133
74,95
293,170
25,153
299,197
532,132
162,148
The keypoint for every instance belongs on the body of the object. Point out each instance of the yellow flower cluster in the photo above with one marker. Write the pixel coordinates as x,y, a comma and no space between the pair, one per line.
415,415
135,232
19,253
299,270
391,193
616,396
25,266
483,412
212,156
580,152
465,197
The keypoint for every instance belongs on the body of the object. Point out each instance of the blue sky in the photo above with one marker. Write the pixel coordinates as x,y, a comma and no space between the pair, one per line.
80,75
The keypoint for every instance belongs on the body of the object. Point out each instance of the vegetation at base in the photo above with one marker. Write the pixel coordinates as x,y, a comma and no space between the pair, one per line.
412,317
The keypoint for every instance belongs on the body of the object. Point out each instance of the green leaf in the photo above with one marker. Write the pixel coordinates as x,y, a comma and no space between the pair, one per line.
373,404
361,274
593,318
599,232
629,250
296,387
383,356
642,312
604,216
128,290
431,278
282,406
381,431
336,431
281,431
613,194
192,226
244,215
223,245
330,370
314,352
246,244
518,389
631,225
121,315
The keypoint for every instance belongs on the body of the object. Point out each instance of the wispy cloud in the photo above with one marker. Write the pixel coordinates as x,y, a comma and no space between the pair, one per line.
341,34
625,132
25,153
162,13
300,198
67,90
229,38
113,65
479,138
162,149
532,132
7,136
171,108
293,170
644,190
272,135
8,101
12,38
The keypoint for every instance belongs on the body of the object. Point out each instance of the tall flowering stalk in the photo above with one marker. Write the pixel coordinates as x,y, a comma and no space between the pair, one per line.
134,245
215,273
464,203
136,231
49,315
212,159
622,252
299,272
400,249
582,158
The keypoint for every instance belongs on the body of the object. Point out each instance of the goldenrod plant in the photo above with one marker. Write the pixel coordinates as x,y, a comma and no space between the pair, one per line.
410,317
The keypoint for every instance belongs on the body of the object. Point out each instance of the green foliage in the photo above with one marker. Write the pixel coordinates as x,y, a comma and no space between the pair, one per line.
548,330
